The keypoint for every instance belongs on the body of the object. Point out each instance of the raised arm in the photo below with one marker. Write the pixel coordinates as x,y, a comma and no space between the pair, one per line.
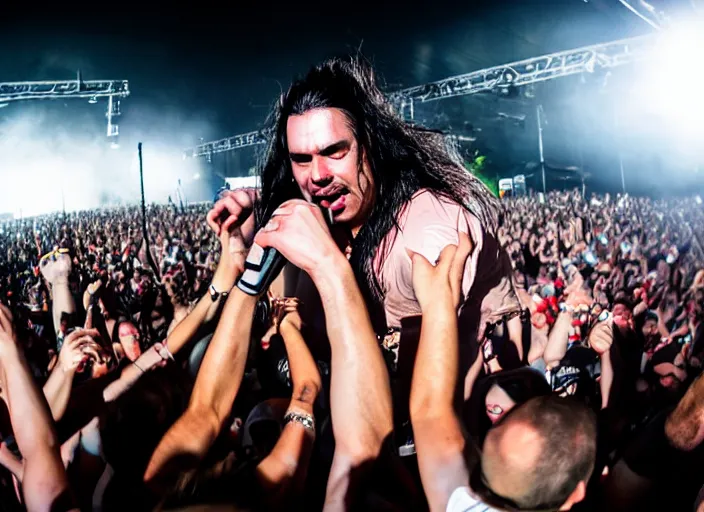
221,372
438,435
233,247
360,396
44,481
283,471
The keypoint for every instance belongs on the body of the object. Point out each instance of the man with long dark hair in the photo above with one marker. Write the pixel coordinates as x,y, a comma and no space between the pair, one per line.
390,187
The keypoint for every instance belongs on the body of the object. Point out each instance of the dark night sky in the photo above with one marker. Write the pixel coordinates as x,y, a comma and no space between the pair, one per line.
226,64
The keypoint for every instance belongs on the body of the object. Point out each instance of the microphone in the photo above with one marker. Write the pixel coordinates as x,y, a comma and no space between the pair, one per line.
263,265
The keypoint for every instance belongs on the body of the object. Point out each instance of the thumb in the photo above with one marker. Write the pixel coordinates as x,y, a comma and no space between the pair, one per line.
417,259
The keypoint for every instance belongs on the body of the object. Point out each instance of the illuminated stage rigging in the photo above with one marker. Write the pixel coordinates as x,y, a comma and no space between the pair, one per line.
92,90
529,71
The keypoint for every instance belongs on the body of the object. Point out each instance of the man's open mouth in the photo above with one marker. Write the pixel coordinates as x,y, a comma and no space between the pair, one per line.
334,200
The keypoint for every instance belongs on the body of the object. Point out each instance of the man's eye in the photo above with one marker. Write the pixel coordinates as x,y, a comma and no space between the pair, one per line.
300,159
338,155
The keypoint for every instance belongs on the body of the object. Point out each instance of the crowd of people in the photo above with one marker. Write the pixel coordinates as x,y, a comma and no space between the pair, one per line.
427,346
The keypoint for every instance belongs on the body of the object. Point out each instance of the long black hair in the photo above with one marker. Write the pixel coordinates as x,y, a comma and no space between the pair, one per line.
402,158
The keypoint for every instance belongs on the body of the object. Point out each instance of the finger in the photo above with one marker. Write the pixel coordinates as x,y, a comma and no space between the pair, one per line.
268,235
459,260
419,263
75,336
82,342
91,352
213,217
227,225
445,258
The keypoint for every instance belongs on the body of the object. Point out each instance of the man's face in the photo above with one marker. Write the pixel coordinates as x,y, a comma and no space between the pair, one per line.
325,161
622,317
650,329
129,339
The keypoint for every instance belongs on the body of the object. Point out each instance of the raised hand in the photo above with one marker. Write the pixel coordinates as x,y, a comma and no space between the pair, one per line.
55,267
235,209
298,231
431,283
601,337
78,347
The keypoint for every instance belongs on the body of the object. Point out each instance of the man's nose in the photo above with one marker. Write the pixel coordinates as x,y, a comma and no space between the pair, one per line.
320,173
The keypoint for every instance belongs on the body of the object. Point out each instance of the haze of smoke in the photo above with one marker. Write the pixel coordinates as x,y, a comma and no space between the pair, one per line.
54,156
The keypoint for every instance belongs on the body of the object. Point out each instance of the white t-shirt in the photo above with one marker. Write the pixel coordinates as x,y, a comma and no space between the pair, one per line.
462,500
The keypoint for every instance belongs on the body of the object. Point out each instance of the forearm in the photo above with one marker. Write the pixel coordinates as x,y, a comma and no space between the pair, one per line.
62,301
189,326
304,371
57,391
218,380
436,429
435,370
440,448
558,339
360,394
606,380
44,478
223,366
129,376
224,279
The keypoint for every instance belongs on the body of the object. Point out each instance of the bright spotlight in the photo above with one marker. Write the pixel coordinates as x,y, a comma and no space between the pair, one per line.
93,100
114,145
196,176
671,86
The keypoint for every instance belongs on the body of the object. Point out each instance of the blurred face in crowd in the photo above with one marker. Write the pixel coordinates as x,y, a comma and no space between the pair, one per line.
326,165
623,317
497,403
650,329
672,375
129,339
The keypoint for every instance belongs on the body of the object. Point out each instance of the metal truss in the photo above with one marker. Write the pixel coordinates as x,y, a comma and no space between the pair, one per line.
228,144
530,71
538,69
92,90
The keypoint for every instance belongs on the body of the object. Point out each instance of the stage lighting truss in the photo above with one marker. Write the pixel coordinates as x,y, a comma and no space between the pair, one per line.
526,72
530,71
92,90
244,140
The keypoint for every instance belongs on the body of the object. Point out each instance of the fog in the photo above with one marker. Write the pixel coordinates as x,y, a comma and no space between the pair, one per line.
55,155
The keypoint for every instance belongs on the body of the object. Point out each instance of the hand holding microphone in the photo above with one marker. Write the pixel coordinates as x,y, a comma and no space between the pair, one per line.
297,232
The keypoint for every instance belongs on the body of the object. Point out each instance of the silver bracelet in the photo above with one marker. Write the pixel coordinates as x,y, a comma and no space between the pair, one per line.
306,420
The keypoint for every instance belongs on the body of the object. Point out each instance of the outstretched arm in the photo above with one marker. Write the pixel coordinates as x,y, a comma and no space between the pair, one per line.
44,482
284,470
219,378
360,396
438,436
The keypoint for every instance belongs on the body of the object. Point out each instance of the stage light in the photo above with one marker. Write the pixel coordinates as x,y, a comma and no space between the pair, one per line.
669,87
93,100
196,176
114,145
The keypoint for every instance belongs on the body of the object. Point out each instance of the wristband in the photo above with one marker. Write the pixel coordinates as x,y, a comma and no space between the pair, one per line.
306,420
215,294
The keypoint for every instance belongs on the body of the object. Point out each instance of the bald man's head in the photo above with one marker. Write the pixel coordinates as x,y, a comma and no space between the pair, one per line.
685,426
541,452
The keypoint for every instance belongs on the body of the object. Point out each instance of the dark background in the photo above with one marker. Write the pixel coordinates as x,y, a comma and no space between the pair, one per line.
219,67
